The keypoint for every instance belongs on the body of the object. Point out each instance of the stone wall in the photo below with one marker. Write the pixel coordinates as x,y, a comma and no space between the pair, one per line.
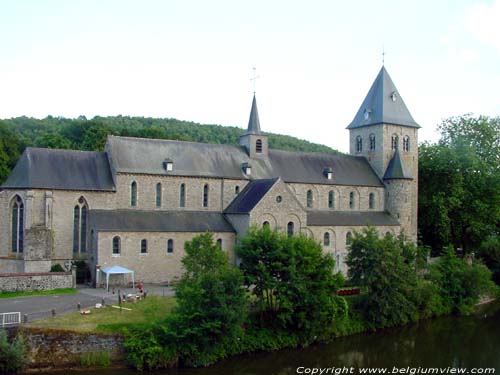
63,349
20,282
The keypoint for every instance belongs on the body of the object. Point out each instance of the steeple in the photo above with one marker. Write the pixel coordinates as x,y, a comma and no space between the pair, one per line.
396,169
253,122
383,104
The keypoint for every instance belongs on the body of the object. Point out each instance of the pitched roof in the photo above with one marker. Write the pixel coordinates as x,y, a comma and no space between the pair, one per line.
350,218
248,198
140,155
253,122
41,168
158,221
383,104
396,169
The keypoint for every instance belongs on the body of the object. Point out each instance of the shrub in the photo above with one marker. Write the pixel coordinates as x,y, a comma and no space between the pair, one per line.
57,268
95,359
12,355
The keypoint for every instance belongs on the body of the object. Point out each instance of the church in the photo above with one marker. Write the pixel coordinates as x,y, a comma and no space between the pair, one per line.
136,203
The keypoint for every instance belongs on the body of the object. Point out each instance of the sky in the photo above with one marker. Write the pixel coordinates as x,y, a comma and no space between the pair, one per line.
194,60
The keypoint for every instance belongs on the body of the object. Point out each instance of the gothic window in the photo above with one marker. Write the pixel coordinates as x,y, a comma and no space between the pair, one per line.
348,239
406,143
372,142
289,229
309,199
116,245
182,198
133,194
258,146
359,144
351,200
236,190
17,228
205,195
80,226
265,224
170,246
371,201
331,199
219,243
394,142
326,239
144,246
158,194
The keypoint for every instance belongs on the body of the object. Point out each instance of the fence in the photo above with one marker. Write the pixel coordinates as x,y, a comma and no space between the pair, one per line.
10,319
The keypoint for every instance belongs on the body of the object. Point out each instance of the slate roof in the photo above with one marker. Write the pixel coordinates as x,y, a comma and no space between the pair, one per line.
248,198
396,169
383,104
158,221
146,156
253,122
41,168
350,218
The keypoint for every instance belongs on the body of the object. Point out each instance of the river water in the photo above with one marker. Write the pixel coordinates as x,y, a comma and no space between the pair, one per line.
463,342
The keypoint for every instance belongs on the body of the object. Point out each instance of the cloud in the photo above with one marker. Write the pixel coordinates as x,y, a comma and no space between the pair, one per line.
483,22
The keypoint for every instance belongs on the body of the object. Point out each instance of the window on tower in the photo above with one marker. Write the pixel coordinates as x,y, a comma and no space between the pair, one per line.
406,143
359,144
372,142
394,142
258,146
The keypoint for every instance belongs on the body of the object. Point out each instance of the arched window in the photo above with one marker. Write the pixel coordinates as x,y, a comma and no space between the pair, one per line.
394,142
182,198
258,146
372,142
326,239
289,229
170,246
205,195
406,143
331,199
236,190
359,144
309,198
116,245
371,201
351,200
17,228
348,239
219,243
80,226
265,224
158,194
144,246
133,194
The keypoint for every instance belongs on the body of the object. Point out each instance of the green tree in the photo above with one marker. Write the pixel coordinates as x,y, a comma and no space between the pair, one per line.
12,355
292,280
489,252
379,266
11,147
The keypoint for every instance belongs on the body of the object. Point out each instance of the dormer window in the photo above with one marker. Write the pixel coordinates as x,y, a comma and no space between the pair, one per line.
394,96
247,168
168,165
367,114
328,173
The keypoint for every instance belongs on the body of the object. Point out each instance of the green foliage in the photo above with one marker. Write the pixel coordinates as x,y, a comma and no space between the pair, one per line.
57,268
379,265
38,293
459,199
12,355
11,147
95,359
460,284
489,252
292,280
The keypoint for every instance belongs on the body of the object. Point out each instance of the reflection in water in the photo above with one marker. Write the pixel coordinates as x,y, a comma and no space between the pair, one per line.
458,342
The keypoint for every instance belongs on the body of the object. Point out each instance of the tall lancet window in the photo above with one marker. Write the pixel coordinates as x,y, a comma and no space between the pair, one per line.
133,194
359,144
182,197
158,194
80,226
394,142
17,222
205,195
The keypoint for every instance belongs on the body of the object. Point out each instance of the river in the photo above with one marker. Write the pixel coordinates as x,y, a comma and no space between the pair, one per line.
464,342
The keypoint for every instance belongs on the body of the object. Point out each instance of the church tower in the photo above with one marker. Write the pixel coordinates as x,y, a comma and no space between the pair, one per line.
385,133
253,139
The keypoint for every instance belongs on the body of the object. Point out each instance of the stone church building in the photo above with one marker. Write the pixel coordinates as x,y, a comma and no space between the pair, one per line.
138,202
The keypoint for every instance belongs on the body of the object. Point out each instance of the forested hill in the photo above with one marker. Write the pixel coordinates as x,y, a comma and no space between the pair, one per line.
83,134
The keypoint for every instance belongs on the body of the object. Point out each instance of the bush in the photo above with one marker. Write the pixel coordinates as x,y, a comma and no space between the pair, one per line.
12,355
57,268
489,252
95,359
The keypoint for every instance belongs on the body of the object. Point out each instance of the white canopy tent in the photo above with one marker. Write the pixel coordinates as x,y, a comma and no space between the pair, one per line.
116,270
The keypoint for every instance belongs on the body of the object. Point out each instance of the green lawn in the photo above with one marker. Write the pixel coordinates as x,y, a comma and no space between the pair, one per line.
37,293
109,319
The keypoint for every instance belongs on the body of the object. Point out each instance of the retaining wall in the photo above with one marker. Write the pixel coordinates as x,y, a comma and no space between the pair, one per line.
20,282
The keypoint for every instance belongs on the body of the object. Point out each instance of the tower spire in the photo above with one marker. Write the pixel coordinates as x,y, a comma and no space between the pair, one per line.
253,122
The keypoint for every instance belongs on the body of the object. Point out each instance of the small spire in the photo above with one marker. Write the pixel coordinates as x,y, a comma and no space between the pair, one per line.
253,122
396,169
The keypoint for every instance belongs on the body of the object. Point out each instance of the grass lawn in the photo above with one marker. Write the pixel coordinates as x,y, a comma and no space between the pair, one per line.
37,293
109,319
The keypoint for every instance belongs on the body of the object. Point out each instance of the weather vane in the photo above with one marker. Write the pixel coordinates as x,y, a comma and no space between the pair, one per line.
255,77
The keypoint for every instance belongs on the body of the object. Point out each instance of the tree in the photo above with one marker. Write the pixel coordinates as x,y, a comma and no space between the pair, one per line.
12,355
292,280
11,147
378,265
489,252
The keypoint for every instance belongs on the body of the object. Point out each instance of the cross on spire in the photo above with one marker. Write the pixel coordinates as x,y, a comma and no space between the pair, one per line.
383,55
254,78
